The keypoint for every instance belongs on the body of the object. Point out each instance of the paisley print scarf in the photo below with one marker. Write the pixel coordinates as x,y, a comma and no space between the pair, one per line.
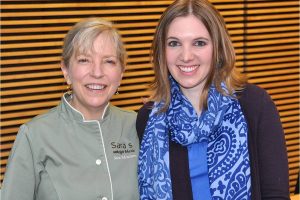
222,126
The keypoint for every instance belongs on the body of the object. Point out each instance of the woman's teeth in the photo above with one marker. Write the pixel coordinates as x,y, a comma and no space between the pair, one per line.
95,86
187,68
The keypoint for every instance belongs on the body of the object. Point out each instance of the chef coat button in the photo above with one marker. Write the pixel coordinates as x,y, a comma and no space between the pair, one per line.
104,198
98,162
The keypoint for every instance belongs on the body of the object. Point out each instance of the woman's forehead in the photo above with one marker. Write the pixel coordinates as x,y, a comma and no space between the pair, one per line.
104,43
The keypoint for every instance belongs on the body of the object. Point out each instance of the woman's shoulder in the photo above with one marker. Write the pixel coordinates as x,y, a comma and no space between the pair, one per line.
122,111
40,126
252,90
146,108
142,118
44,118
144,111
253,95
123,114
255,101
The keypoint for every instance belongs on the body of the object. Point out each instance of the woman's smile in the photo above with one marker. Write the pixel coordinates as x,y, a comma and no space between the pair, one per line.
95,86
188,68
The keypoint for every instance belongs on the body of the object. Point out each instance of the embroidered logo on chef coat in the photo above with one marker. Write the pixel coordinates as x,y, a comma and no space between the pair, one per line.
123,150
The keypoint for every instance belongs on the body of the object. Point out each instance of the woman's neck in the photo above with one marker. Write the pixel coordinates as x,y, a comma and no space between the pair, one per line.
88,114
194,98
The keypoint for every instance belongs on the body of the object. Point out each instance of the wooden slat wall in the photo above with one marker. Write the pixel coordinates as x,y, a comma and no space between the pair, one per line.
265,36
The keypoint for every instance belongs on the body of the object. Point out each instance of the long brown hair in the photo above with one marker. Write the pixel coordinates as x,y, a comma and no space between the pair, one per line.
223,62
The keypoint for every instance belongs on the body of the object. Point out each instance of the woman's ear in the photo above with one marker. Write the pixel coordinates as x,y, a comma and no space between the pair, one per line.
65,71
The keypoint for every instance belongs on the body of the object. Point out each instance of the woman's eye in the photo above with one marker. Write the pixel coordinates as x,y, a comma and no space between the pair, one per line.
113,62
83,60
200,43
173,44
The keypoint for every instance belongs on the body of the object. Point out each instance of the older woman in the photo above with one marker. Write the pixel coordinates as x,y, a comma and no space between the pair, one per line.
84,148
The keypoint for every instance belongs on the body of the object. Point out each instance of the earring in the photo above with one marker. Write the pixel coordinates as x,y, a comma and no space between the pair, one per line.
117,92
69,89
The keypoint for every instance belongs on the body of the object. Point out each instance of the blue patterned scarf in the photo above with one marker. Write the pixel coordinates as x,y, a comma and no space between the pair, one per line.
222,126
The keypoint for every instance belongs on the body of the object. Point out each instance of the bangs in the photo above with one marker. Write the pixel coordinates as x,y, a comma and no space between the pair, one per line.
83,43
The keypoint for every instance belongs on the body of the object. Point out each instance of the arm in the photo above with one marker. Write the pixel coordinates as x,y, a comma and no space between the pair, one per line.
272,154
19,179
142,118
179,164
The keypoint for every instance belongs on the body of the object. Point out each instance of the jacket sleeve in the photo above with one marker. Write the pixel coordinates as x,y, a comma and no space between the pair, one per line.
19,179
142,118
269,167
272,159
179,164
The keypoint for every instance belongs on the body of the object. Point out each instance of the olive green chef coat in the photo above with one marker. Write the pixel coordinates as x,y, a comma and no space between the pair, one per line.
61,156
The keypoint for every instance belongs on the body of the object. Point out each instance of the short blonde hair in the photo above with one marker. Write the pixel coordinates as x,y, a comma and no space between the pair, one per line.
223,61
81,37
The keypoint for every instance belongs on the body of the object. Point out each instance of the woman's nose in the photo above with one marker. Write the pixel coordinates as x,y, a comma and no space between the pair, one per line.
187,54
97,70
